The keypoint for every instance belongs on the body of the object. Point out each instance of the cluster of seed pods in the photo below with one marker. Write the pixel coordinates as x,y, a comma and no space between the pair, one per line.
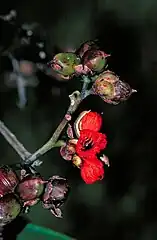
89,60
18,194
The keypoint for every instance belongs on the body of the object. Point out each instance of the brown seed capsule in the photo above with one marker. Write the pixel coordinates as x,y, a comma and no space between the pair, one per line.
85,47
8,180
122,92
111,89
30,188
55,195
95,60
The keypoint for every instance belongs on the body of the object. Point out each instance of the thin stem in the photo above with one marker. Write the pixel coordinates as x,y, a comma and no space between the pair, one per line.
26,156
32,159
49,144
14,142
86,82
75,101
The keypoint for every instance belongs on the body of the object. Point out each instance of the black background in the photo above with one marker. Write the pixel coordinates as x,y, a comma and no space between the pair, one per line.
123,205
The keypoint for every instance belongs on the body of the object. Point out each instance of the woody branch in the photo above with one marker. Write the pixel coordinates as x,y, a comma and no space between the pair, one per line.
33,159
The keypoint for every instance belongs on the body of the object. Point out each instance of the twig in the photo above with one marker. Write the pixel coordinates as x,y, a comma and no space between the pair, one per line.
32,159
84,92
14,142
75,101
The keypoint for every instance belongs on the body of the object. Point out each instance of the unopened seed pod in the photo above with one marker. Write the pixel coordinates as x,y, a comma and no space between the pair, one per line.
10,208
8,180
111,89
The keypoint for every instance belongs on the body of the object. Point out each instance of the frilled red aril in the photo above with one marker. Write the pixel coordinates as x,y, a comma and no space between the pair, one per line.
92,121
88,120
90,143
92,171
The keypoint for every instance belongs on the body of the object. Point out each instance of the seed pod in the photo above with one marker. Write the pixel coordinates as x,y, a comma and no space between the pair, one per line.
85,47
30,188
64,63
95,60
68,150
10,208
87,120
56,192
8,180
111,89
122,91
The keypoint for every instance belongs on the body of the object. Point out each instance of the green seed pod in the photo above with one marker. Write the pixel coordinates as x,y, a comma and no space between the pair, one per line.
10,208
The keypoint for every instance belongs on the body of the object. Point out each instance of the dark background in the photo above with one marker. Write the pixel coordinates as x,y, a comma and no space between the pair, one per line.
124,204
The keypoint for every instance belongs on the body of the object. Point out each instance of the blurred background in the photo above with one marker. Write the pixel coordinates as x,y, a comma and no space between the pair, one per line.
124,204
